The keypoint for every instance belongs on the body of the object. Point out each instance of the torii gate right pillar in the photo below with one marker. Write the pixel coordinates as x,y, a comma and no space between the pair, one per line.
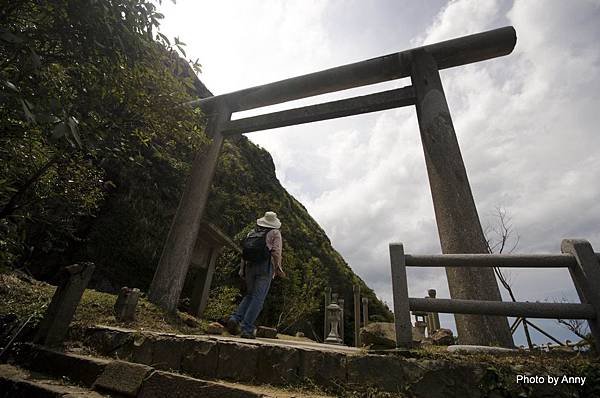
456,215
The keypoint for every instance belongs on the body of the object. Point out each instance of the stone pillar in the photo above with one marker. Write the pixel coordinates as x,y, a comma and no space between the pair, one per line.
457,220
356,291
55,325
174,262
433,318
365,311
326,313
126,304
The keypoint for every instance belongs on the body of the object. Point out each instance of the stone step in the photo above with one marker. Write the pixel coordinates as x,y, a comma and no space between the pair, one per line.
121,378
19,382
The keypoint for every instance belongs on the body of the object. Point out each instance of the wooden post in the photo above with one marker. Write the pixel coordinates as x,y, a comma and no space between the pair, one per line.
55,325
586,277
356,291
341,303
400,296
174,262
365,312
456,215
202,283
326,315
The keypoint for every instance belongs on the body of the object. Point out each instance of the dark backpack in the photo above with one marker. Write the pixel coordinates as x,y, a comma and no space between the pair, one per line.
254,246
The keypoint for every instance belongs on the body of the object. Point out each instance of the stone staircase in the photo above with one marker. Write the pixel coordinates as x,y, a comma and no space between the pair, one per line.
36,371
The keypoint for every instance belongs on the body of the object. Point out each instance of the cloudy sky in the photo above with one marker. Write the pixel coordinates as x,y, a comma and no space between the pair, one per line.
527,123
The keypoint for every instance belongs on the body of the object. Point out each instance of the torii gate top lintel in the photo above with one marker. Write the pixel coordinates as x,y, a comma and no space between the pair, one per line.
455,52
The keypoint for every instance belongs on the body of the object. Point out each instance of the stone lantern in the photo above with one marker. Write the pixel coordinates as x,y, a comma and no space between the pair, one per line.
334,314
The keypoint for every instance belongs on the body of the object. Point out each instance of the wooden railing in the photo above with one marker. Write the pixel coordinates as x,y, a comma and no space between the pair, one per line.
577,256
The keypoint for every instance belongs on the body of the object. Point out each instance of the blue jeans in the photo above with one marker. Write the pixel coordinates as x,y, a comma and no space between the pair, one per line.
258,281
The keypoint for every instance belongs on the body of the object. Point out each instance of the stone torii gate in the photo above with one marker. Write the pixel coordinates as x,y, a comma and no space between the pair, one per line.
458,223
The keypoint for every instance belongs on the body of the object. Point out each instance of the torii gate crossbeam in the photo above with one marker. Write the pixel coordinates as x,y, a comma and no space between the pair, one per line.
456,215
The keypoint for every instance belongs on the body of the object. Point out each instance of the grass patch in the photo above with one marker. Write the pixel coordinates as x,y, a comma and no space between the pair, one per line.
24,296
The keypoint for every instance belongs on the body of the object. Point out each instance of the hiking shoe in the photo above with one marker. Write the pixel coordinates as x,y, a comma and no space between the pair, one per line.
247,336
233,327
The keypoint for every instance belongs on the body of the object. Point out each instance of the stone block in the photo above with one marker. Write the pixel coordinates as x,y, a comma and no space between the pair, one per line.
323,368
265,332
142,347
122,378
278,365
387,373
163,384
237,361
110,342
167,352
201,359
81,369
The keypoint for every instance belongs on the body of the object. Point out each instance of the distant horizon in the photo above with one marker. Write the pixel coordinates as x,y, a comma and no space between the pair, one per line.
524,123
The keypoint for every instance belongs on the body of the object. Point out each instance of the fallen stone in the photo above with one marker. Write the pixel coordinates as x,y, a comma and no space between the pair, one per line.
442,337
379,335
478,349
122,377
265,332
215,328
299,334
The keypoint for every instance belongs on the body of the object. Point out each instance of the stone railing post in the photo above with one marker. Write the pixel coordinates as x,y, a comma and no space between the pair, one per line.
326,313
55,325
586,277
356,291
400,296
365,311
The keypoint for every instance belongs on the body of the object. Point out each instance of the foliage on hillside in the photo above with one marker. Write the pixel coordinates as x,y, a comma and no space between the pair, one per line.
95,147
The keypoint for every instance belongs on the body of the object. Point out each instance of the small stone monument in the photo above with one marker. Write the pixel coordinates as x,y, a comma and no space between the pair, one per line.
126,304
334,316
433,318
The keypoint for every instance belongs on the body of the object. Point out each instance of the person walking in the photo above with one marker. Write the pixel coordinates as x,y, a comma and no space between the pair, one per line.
261,262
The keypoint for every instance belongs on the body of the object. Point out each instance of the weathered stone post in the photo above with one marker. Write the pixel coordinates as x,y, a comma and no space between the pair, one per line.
356,291
456,215
174,262
586,277
55,325
365,311
433,318
126,304
326,313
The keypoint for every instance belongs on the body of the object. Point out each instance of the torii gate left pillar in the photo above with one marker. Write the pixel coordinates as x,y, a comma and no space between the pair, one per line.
175,260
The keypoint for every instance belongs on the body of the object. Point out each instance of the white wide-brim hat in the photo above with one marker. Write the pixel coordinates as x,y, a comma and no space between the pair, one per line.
270,220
